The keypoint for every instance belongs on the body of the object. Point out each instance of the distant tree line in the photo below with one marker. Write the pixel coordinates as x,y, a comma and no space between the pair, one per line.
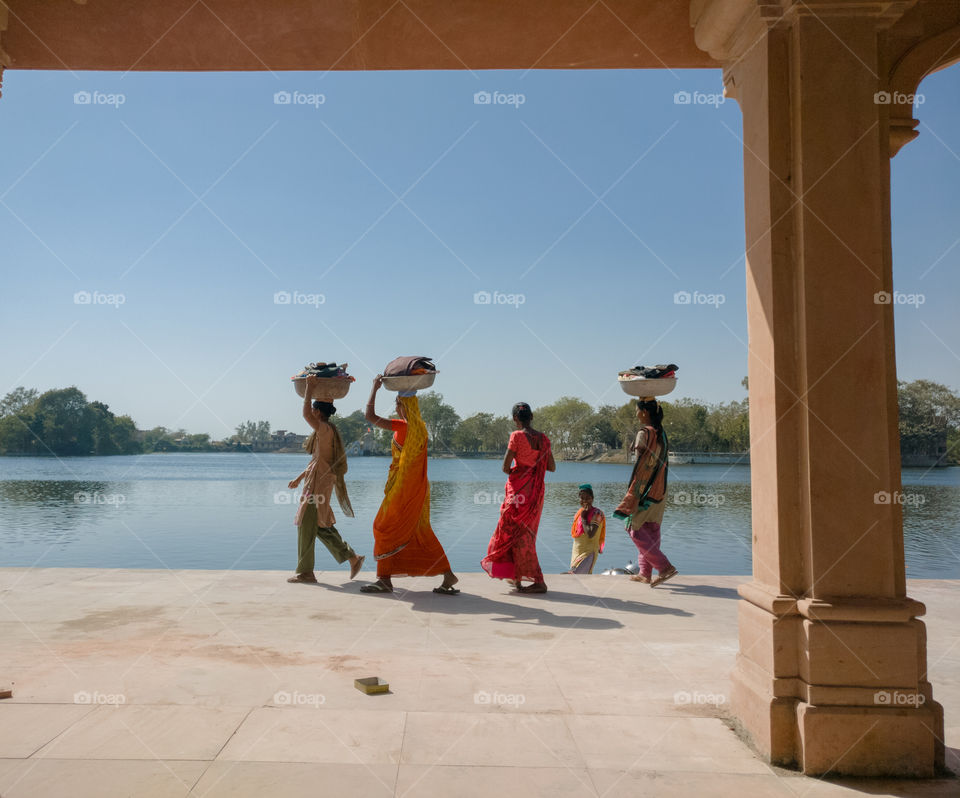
63,422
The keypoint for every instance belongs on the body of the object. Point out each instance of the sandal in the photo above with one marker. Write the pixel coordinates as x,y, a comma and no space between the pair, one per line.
355,569
640,578
376,587
445,590
661,578
307,579
534,588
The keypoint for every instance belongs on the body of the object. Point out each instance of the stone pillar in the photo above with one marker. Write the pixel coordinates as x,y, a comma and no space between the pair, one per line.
831,674
4,58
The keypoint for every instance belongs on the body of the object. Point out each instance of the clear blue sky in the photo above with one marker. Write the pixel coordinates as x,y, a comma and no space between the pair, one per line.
199,198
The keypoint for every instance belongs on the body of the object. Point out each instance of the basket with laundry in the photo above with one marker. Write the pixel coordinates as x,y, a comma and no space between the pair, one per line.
409,373
333,382
647,382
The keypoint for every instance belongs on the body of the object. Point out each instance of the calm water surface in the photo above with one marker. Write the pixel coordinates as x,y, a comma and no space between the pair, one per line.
234,511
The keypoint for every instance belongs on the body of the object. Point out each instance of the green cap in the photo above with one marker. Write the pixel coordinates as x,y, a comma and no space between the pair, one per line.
586,486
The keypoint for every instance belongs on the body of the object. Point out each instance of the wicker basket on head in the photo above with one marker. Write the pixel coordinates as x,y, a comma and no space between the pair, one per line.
327,388
412,382
642,388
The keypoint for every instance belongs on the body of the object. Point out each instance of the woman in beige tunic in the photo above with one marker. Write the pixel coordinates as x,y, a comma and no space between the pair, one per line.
315,518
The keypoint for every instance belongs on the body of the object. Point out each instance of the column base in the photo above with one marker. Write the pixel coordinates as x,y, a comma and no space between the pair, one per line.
867,741
845,696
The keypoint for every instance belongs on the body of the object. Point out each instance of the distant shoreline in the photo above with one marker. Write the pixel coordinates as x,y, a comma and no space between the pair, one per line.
607,458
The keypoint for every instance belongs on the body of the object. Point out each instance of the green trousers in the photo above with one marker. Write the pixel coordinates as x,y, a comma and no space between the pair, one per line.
308,532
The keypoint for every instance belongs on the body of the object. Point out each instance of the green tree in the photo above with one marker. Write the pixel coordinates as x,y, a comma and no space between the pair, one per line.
468,436
730,426
601,428
566,422
929,412
352,427
125,435
17,400
625,424
686,424
16,435
441,420
64,422
253,431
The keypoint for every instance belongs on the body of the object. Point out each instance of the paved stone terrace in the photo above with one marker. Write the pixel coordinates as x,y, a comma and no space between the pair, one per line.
217,683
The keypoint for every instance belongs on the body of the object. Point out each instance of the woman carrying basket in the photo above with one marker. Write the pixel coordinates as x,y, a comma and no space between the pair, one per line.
642,507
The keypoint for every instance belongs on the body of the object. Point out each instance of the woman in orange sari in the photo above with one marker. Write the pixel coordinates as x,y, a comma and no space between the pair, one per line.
512,553
404,543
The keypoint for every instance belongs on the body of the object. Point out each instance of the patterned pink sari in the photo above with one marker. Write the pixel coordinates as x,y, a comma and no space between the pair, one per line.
512,553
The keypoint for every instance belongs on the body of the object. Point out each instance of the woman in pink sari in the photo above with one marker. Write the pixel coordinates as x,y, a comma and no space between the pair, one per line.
512,553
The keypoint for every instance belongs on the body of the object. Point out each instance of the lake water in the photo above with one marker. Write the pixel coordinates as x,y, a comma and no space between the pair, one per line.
223,511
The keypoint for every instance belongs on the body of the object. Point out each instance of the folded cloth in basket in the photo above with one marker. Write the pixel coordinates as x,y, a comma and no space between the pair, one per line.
656,372
405,366
323,370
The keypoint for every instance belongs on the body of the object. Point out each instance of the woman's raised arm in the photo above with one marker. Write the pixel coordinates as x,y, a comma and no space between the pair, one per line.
370,413
308,415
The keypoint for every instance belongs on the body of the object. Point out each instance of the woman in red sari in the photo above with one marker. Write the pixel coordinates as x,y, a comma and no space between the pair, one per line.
512,553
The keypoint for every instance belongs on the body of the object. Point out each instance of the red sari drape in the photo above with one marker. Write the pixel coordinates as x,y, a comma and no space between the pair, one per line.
512,553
